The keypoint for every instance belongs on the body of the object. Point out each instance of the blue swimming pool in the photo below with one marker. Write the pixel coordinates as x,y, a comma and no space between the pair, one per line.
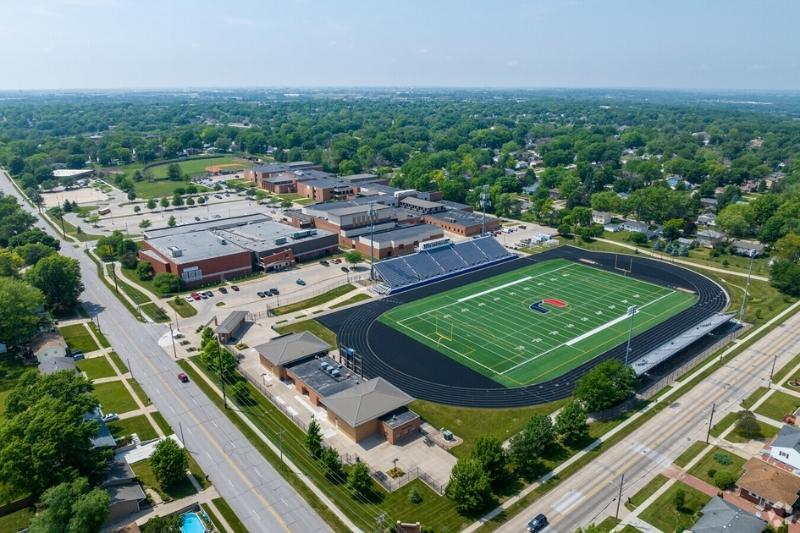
192,524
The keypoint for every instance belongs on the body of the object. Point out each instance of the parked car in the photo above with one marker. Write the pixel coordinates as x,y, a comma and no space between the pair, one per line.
324,263
300,281
337,260
261,294
78,356
197,219
223,290
183,378
274,292
196,296
345,269
235,288
189,298
110,417
204,296
538,523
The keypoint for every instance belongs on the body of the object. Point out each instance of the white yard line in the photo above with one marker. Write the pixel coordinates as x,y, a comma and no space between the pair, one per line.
499,287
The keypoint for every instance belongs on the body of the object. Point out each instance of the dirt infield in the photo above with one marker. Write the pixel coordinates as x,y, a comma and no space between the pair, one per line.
216,169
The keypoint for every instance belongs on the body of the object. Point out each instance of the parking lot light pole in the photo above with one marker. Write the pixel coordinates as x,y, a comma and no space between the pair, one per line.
172,336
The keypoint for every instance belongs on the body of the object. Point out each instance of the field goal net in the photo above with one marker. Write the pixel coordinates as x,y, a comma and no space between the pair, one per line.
623,264
443,329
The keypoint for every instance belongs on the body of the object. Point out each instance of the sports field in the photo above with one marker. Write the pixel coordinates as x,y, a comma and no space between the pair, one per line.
537,322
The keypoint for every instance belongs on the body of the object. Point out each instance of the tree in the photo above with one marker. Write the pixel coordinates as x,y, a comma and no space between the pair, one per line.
679,499
359,480
787,247
673,228
747,426
605,385
171,221
637,237
469,486
353,257
174,172
72,507
137,209
564,230
144,271
241,393
19,315
190,201
571,423
206,336
10,262
218,359
177,200
59,278
314,439
332,464
32,252
785,276
489,452
164,202
151,203
44,435
735,220
414,496
169,463
166,283
144,224
527,445
164,524
724,479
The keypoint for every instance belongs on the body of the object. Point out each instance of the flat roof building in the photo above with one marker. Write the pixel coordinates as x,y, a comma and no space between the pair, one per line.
399,241
462,222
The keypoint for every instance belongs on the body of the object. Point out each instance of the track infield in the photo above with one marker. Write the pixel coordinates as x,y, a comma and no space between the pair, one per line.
538,322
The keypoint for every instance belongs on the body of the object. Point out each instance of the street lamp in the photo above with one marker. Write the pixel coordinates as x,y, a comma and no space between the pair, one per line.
752,255
631,313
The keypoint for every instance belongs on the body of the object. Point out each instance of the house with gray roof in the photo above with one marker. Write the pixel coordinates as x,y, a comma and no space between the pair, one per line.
719,516
277,354
786,446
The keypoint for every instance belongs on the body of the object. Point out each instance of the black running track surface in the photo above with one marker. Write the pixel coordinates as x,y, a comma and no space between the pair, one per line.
427,374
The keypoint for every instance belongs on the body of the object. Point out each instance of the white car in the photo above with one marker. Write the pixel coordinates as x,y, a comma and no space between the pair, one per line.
110,417
189,298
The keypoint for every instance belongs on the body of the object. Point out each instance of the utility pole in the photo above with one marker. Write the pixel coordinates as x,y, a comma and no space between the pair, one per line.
619,496
221,378
631,313
710,421
114,273
280,442
485,202
180,426
772,371
172,336
746,287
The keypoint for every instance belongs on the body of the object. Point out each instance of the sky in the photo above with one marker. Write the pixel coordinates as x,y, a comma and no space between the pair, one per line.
117,44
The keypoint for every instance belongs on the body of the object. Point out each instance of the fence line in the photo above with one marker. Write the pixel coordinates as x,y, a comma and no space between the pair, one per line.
265,391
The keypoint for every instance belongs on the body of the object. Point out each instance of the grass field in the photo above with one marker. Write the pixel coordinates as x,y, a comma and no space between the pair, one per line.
537,322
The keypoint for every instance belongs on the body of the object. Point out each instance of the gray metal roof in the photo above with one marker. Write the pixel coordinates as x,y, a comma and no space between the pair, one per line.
292,347
366,401
56,364
418,232
719,516
261,236
353,178
460,217
220,223
231,322
788,437
119,473
129,492
194,246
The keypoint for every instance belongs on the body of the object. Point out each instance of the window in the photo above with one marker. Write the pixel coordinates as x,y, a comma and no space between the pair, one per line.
783,454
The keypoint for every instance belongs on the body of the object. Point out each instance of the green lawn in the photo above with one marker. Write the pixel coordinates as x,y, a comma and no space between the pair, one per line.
314,300
537,322
720,427
767,432
211,518
710,466
665,516
470,423
690,453
309,325
17,520
118,361
155,313
782,374
114,397
97,333
162,423
229,516
779,404
96,367
162,188
197,166
645,492
360,297
78,338
184,308
145,474
756,395
137,424
139,391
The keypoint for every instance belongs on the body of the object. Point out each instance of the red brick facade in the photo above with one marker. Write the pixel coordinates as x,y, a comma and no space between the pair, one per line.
233,265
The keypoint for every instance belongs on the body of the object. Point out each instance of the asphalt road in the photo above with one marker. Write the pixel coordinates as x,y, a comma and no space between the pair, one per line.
261,498
589,495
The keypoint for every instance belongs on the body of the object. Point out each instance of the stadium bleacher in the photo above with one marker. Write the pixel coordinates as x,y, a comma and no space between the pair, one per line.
410,271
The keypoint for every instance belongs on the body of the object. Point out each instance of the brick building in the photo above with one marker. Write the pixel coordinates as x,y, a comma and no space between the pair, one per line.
324,190
462,222
394,242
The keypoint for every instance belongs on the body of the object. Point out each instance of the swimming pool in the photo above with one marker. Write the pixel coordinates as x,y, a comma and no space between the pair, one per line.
192,524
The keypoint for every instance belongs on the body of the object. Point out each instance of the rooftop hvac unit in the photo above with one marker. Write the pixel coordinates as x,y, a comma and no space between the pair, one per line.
221,239
280,240
174,251
335,373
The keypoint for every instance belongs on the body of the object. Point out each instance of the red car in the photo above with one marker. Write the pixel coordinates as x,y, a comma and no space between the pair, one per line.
196,296
183,378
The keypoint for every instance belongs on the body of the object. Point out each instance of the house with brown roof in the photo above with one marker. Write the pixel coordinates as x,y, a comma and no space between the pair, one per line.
769,487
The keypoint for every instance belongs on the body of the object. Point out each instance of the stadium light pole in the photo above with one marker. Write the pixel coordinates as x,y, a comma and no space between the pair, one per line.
631,313
746,286
371,215
485,202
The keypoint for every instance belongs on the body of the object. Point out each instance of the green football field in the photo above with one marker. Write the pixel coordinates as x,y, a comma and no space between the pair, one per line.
537,322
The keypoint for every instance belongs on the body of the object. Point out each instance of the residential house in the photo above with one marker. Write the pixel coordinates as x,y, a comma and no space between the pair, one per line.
612,228
769,487
686,241
707,219
125,492
601,217
720,516
708,203
710,238
52,353
747,248
786,446
640,227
